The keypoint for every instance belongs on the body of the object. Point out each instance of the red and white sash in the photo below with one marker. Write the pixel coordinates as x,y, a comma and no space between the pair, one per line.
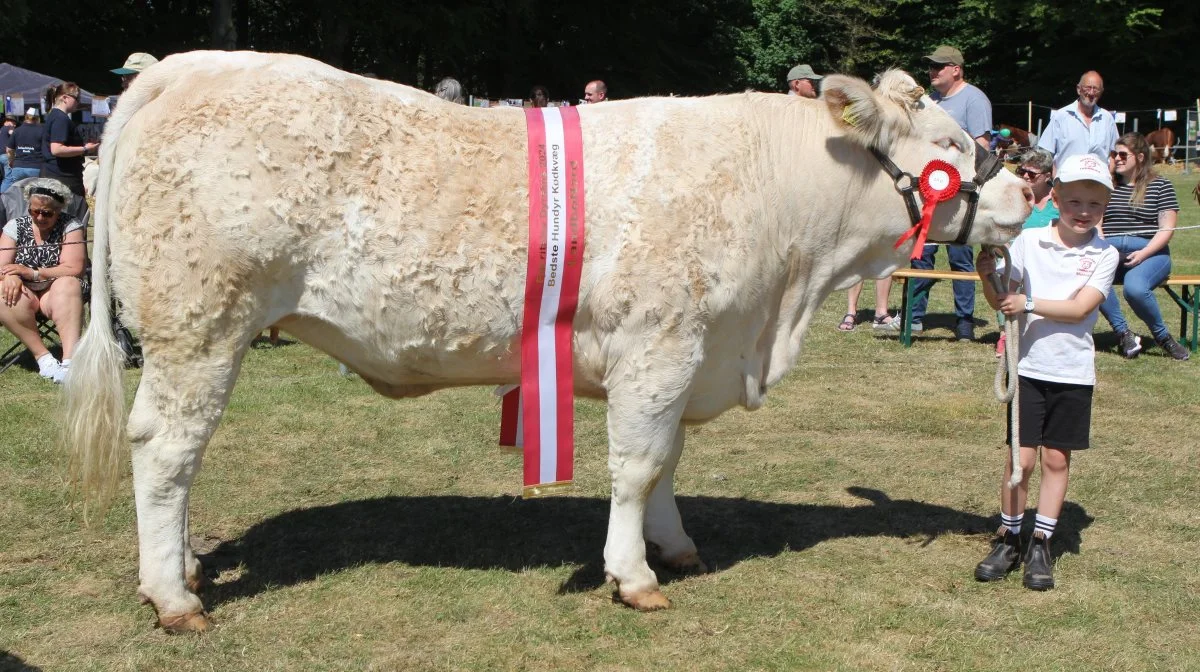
540,414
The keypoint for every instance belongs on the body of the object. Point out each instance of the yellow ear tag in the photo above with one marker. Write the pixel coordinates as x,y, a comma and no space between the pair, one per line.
849,117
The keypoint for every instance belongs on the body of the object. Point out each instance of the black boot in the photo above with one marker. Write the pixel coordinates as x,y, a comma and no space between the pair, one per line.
1039,565
1005,556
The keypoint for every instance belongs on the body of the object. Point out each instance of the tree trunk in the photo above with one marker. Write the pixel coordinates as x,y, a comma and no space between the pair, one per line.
224,35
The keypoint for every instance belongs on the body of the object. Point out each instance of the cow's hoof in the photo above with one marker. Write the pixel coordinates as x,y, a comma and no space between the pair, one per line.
688,563
651,600
175,625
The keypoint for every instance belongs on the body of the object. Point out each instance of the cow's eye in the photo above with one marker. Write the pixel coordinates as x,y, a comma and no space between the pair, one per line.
947,143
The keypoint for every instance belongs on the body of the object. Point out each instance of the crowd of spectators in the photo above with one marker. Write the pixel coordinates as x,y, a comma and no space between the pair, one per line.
44,271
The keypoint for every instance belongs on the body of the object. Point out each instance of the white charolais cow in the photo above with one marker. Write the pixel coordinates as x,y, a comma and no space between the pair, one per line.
388,228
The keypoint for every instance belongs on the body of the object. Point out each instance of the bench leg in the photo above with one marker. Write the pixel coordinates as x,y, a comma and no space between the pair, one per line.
1192,298
1189,314
905,315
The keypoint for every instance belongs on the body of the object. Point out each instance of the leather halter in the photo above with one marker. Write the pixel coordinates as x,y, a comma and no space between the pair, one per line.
986,167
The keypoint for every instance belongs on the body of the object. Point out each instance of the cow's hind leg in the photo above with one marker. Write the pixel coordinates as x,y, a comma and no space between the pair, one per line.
641,429
663,526
178,405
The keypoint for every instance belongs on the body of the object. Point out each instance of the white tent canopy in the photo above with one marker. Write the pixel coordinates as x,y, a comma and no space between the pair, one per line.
31,87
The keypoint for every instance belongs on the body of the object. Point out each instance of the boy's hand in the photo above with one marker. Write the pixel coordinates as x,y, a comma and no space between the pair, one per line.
985,264
1012,305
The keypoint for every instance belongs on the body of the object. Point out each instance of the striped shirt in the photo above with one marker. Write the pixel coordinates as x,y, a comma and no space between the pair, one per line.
1122,217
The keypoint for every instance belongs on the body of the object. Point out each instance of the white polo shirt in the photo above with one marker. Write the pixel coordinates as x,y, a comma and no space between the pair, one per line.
1054,351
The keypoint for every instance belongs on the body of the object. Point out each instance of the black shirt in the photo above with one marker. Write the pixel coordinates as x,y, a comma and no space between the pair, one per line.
59,128
26,143
1122,216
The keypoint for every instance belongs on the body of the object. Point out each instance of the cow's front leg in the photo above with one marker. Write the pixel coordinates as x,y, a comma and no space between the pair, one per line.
664,527
640,435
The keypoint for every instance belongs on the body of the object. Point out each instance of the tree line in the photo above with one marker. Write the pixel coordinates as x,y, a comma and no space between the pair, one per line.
1016,50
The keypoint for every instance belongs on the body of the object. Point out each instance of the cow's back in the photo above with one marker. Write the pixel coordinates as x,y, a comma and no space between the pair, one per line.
382,219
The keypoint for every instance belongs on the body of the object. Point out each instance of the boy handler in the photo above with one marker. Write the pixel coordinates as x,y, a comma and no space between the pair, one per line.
1066,270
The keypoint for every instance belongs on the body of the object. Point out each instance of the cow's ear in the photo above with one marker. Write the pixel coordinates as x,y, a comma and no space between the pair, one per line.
854,108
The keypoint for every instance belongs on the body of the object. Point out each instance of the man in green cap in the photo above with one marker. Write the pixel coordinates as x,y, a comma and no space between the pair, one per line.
972,110
802,81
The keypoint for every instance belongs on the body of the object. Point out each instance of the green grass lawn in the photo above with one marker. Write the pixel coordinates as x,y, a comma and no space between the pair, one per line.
344,531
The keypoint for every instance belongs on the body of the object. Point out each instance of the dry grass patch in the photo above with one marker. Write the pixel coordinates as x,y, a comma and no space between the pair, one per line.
344,531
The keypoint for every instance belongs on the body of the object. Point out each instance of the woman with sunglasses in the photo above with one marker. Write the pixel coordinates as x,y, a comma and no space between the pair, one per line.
42,269
1036,168
63,147
1139,222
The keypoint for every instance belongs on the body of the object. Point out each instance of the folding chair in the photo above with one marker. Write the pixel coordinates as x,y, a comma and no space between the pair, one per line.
45,327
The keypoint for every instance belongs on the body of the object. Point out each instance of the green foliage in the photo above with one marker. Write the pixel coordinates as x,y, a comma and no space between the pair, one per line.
1016,50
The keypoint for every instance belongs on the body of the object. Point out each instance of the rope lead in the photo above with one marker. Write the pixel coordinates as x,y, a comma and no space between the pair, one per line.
1008,365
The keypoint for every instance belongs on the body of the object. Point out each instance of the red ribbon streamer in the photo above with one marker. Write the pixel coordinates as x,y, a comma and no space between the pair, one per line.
939,182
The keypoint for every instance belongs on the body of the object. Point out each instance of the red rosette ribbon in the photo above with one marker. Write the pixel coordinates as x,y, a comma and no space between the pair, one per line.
939,182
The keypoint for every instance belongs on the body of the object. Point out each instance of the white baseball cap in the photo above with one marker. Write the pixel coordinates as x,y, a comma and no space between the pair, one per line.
1084,167
31,112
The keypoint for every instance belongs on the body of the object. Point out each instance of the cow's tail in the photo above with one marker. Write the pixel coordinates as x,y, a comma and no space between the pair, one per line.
93,425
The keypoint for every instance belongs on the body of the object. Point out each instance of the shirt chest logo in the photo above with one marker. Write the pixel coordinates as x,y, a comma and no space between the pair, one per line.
1086,266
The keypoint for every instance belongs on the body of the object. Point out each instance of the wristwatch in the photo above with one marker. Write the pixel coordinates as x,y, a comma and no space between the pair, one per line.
1029,304
37,275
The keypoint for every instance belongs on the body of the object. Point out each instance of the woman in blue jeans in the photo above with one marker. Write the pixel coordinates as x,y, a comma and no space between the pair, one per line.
1139,222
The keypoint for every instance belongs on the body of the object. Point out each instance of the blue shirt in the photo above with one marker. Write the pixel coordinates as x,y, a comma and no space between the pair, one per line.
1067,135
1040,217
970,108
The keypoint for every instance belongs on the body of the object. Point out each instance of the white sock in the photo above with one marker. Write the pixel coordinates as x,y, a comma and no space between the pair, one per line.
66,363
1044,525
1013,523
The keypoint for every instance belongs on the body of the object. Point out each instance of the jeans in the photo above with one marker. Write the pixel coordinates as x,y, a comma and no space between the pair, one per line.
961,259
15,175
1140,282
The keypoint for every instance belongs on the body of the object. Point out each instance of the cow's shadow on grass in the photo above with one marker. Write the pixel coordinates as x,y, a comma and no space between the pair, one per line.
514,534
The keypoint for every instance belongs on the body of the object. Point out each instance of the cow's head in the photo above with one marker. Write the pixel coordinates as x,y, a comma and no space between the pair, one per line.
897,121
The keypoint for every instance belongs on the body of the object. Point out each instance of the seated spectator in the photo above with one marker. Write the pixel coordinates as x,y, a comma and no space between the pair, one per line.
1140,222
42,269
540,95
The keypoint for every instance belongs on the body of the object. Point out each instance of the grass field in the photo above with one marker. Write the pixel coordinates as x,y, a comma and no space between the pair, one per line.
344,531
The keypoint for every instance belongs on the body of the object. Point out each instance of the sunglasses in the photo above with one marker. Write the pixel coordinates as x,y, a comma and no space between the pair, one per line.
1124,156
1030,174
46,214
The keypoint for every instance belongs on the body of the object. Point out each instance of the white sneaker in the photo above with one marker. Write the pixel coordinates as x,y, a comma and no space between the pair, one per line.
51,370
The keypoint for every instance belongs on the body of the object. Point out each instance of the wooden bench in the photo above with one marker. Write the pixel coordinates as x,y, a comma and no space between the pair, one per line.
1187,298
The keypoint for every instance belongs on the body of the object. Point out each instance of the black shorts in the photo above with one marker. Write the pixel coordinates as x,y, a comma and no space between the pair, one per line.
1058,415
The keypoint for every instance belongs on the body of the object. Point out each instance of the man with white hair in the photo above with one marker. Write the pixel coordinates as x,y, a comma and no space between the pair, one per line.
24,151
1082,127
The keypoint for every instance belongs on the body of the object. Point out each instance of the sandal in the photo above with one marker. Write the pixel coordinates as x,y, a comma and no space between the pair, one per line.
848,322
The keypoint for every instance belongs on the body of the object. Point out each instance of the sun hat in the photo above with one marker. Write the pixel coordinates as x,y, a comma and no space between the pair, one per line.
945,54
135,63
1084,167
803,71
